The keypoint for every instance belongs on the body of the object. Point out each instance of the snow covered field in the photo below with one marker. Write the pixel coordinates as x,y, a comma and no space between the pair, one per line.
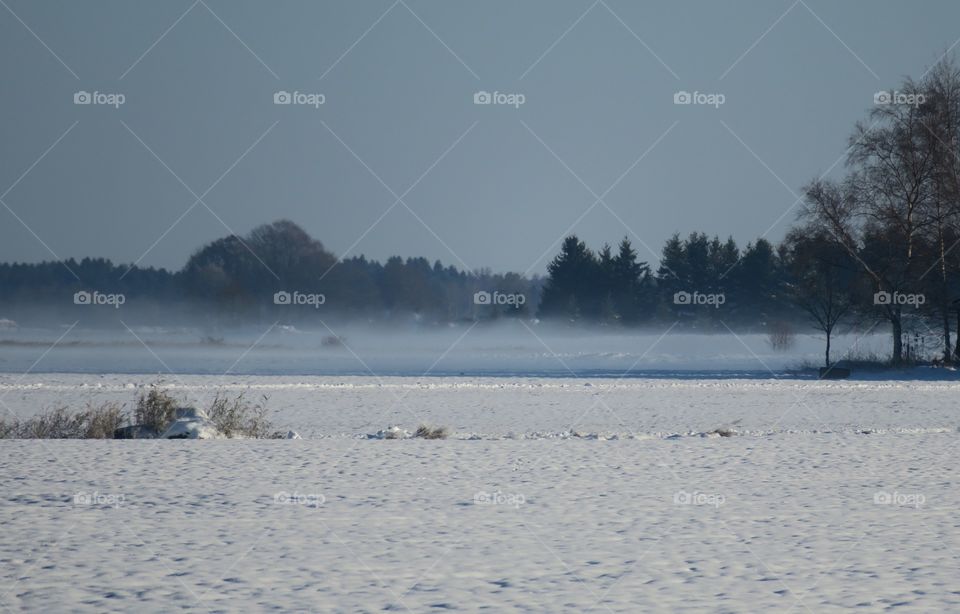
579,495
497,408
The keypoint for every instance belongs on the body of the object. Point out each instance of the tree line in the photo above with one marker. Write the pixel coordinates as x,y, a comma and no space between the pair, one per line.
234,279
877,246
881,241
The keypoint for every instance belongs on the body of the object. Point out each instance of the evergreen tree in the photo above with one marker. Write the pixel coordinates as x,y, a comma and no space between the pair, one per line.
633,286
606,287
569,291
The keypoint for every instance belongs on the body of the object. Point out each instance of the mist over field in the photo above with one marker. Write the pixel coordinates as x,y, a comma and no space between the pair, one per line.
509,348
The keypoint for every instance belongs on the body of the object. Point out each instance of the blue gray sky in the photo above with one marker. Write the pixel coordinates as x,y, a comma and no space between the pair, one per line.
399,159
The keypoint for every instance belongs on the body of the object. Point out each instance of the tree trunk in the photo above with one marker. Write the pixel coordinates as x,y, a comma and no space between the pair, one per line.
828,350
944,297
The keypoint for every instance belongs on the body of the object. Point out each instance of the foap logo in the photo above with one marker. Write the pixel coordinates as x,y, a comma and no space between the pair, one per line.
499,298
301,98
900,499
499,497
682,497
98,499
898,299
884,97
499,98
698,298
83,297
699,98
99,98
313,500
299,298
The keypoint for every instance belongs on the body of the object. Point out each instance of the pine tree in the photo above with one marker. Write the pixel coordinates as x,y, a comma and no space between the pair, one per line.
632,284
569,291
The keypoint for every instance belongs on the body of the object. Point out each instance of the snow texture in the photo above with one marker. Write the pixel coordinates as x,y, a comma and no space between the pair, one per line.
623,496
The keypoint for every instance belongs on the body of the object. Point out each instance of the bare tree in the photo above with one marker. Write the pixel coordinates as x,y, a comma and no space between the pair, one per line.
941,89
879,213
821,279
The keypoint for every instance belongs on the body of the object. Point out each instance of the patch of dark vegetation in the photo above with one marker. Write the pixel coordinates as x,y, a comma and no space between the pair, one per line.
428,432
153,413
238,417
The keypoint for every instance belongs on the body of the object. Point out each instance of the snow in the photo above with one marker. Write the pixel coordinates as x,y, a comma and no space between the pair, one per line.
625,495
393,432
191,428
731,524
531,408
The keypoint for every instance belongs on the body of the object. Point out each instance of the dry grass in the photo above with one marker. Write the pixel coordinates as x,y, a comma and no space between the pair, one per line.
155,410
723,432
57,423
101,422
427,432
96,422
237,417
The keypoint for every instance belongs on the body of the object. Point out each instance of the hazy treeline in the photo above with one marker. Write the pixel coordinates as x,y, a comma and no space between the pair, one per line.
876,246
236,279
702,282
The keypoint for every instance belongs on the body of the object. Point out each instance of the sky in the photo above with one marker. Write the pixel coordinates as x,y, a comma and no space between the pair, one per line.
384,148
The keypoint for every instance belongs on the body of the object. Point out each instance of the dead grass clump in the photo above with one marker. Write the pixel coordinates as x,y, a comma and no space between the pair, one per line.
102,421
427,432
723,432
57,423
96,422
153,413
238,417
155,410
